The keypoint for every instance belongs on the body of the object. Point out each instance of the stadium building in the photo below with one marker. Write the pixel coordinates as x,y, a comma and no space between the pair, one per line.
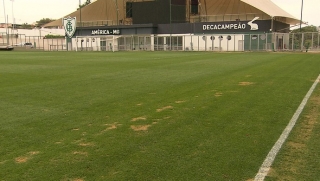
205,25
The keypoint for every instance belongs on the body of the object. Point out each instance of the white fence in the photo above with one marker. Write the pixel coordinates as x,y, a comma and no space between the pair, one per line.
206,42
187,42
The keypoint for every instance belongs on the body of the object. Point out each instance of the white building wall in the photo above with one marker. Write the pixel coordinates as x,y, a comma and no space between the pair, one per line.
33,32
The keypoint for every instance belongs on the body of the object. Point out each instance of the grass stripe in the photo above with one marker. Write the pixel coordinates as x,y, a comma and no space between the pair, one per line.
265,167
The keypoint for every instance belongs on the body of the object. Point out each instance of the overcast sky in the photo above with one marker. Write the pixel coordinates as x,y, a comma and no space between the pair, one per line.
30,11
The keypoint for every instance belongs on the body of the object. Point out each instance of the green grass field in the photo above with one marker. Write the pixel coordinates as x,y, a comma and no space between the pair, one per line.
146,115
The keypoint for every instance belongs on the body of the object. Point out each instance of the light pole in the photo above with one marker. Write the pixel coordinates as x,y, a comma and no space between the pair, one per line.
301,14
12,16
80,13
6,22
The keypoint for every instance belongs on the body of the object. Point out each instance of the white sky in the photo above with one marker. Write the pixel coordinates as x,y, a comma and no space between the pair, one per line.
30,11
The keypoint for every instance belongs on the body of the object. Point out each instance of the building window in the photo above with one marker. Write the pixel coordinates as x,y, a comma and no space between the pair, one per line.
129,10
194,6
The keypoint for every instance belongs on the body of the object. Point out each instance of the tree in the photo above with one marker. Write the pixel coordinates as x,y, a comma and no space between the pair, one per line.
84,4
26,26
44,21
308,29
308,34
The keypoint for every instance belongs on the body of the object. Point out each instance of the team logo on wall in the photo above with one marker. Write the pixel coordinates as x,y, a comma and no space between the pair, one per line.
70,26
254,26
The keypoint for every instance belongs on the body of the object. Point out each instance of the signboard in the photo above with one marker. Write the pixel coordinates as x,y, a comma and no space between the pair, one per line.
69,26
105,32
234,26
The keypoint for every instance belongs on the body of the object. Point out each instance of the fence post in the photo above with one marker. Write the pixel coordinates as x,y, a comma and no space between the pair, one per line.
212,42
312,40
250,37
184,42
302,40
266,47
242,48
191,43
198,43
318,41
234,42
205,40
292,39
258,42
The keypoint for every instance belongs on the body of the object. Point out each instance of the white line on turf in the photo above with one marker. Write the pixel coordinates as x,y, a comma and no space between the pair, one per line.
265,167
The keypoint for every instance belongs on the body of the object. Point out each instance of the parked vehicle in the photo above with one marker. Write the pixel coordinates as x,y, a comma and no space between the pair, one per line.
6,47
23,45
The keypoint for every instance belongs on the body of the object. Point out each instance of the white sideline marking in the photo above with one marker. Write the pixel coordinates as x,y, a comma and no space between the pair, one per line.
265,167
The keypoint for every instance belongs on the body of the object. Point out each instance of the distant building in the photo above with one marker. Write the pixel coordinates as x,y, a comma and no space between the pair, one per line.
216,21
5,25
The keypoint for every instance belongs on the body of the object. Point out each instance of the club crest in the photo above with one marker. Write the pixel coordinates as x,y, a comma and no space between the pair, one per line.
70,26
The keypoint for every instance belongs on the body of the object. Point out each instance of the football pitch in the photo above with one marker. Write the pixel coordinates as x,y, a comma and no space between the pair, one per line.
83,116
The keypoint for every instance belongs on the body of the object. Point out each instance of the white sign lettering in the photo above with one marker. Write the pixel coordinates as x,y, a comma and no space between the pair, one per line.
234,26
105,32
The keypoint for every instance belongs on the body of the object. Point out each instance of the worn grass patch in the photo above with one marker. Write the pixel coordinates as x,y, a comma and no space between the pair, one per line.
27,157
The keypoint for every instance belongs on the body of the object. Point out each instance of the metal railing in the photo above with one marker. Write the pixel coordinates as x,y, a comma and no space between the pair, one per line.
207,42
227,17
104,23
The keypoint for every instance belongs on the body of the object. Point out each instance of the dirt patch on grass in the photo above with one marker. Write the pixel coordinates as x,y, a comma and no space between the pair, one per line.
83,143
34,153
75,129
80,153
112,126
140,104
73,179
78,179
179,102
295,145
140,127
142,118
218,94
25,158
109,127
3,162
164,108
58,142
21,159
86,144
245,83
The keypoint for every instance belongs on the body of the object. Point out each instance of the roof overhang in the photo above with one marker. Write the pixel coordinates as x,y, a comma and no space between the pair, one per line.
272,10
